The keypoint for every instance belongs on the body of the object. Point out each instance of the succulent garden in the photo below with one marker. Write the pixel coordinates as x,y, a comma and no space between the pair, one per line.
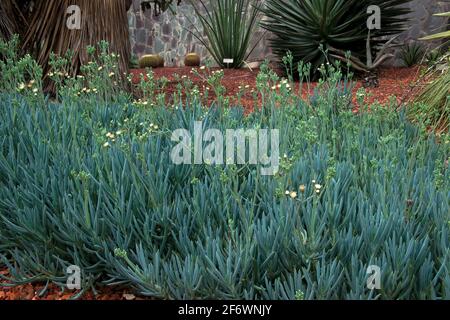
87,176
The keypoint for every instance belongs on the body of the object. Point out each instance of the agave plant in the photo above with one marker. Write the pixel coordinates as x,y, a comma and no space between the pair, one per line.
371,64
302,27
229,26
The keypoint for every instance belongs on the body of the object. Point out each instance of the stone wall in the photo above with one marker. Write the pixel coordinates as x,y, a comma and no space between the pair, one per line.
168,34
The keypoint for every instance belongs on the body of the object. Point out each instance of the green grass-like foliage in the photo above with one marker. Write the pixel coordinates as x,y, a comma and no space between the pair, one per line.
303,26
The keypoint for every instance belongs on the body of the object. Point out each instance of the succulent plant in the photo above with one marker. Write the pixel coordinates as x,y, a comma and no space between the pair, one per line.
92,183
303,27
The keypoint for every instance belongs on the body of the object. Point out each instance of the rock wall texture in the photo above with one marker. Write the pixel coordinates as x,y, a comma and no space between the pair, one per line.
168,34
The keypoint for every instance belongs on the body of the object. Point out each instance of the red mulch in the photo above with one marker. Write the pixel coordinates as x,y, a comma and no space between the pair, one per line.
31,292
394,82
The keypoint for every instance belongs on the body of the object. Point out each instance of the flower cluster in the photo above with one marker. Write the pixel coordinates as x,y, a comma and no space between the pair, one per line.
302,189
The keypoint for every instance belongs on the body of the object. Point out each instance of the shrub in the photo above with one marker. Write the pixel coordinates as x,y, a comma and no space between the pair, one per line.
229,26
91,183
303,26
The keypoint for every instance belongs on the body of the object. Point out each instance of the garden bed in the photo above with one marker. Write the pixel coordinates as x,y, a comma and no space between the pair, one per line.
394,82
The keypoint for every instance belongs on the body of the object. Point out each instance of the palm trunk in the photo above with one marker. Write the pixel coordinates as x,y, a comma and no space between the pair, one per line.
100,20
11,19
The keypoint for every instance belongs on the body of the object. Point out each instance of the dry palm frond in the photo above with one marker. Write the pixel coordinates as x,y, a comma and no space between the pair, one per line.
100,20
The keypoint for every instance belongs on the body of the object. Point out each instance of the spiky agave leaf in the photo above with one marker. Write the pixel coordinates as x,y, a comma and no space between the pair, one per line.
302,26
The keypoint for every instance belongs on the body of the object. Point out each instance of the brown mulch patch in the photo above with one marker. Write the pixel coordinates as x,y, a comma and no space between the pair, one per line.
399,84
53,292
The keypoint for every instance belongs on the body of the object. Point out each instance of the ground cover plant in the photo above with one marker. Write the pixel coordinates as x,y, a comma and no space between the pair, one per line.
87,179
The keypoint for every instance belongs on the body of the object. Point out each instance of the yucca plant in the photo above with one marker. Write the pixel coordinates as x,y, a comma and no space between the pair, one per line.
229,26
303,26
